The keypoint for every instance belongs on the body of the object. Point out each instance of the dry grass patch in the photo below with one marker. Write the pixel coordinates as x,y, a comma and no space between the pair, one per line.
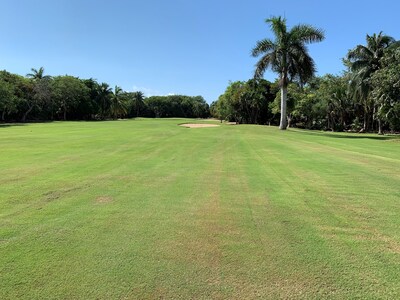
104,199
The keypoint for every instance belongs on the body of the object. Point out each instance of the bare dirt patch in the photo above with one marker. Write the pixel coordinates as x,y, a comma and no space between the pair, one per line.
188,125
104,199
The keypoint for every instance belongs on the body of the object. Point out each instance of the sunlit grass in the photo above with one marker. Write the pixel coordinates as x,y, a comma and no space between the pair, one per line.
148,209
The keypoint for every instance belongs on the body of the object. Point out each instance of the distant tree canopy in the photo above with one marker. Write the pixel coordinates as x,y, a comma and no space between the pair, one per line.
176,106
246,102
42,97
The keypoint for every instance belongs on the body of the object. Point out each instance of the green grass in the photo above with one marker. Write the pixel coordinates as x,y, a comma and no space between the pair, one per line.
148,209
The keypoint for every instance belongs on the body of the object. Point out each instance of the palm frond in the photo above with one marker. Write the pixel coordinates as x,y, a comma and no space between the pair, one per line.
360,53
36,74
302,66
307,34
287,54
359,64
359,86
263,46
117,90
278,26
262,65
379,41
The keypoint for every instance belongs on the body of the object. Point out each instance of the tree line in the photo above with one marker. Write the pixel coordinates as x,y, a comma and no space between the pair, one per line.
365,97
40,97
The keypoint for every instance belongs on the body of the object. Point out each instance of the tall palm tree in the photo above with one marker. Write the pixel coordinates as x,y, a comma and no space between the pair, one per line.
103,98
363,62
118,107
287,55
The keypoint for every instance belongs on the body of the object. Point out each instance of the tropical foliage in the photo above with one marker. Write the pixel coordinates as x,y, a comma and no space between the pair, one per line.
245,102
39,97
365,97
176,106
363,61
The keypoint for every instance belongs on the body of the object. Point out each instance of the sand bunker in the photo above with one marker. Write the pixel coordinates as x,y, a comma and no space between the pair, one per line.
198,125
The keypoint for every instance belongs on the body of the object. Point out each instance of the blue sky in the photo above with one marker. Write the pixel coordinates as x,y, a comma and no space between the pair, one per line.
174,46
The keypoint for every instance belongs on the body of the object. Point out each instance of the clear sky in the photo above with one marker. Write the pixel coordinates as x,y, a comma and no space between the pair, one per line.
192,47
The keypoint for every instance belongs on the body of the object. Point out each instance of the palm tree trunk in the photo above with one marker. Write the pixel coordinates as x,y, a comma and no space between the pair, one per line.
283,123
52,111
373,118
342,122
328,119
365,127
380,127
65,113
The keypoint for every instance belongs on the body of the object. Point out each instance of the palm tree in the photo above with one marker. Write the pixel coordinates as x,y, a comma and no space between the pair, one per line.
287,55
103,98
41,91
118,107
363,62
138,99
37,74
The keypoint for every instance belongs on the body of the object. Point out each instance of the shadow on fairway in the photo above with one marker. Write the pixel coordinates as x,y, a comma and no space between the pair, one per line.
361,136
353,136
27,123
11,124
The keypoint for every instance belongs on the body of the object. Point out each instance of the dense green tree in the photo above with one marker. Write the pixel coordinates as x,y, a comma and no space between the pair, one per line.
287,55
219,109
43,97
176,106
385,90
363,62
68,92
23,94
334,93
245,102
7,99
198,107
309,110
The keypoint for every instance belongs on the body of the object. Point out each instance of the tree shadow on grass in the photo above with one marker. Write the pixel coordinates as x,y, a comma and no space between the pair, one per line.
354,136
361,136
12,124
4,125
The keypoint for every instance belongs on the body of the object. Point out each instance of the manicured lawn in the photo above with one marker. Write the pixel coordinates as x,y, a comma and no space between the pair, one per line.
148,209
